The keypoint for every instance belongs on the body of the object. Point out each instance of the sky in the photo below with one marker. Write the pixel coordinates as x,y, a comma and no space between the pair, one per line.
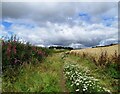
73,24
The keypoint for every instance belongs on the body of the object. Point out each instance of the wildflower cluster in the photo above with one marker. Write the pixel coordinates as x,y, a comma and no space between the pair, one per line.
15,53
80,81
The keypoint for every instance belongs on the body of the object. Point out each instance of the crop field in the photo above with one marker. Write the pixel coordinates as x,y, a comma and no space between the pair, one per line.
108,53
96,52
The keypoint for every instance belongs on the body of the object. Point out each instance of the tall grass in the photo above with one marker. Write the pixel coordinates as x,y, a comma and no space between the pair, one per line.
16,55
35,69
110,63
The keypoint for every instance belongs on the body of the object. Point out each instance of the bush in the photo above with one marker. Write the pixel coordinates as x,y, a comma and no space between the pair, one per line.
15,53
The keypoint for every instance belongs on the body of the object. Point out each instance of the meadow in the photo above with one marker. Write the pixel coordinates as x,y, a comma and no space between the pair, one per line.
28,68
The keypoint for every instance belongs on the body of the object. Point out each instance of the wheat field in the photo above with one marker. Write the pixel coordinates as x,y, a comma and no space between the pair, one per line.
96,52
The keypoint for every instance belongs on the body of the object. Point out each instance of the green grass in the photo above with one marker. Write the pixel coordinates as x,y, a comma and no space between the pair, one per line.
43,77
47,76
98,72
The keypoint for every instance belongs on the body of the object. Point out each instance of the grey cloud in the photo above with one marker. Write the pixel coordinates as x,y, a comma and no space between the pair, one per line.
53,12
14,10
68,36
39,12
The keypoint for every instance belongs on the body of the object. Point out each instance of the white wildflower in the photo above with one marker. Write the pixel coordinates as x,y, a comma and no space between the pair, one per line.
89,81
77,84
77,89
84,89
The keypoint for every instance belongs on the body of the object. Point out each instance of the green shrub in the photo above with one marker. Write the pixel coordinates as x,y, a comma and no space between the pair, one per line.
112,70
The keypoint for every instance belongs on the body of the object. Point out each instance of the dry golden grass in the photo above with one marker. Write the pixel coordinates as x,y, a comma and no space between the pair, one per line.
109,49
96,52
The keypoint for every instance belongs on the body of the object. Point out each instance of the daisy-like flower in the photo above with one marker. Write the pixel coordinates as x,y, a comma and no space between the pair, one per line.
77,84
84,89
78,77
77,89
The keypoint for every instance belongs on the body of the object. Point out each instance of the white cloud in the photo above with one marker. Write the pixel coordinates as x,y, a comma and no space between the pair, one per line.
61,1
108,41
76,45
64,34
3,32
59,23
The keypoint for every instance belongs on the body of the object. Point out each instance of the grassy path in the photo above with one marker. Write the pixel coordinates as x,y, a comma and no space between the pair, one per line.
62,81
43,77
57,66
48,76
94,70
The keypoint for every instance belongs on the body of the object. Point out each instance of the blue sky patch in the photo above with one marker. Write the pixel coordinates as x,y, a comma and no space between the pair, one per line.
6,24
107,21
84,16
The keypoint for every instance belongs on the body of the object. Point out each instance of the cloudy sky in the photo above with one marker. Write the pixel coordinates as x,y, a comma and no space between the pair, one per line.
75,24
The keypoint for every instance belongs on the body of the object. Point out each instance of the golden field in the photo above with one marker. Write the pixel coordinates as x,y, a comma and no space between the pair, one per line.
109,51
